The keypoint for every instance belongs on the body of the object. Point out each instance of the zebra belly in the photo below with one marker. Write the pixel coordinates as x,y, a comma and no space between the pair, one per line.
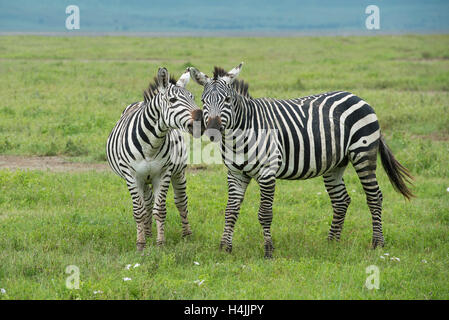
309,154
148,170
311,172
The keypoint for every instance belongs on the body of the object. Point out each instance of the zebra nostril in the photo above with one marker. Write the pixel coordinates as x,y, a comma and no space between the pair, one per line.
213,134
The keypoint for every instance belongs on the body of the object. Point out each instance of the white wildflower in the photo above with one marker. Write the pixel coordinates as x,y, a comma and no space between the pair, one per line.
386,254
395,258
2,291
198,282
382,257
127,279
447,189
97,291
424,261
128,266
196,263
136,265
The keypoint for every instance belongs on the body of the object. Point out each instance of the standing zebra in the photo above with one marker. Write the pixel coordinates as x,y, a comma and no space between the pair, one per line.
144,149
268,139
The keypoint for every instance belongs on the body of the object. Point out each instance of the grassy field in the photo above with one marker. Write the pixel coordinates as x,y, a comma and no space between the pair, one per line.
62,96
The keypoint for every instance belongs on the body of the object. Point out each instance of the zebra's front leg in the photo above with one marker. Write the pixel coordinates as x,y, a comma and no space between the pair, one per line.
139,211
237,185
267,187
179,191
160,210
149,201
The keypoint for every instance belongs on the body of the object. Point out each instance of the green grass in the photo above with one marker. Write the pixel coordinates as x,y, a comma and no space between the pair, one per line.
62,96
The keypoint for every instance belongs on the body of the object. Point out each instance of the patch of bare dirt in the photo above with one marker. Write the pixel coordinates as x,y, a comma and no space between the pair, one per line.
61,164
56,164
92,60
434,136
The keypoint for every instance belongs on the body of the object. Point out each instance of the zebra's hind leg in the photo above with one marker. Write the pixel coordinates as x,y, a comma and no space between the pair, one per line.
179,190
237,185
139,211
340,200
365,165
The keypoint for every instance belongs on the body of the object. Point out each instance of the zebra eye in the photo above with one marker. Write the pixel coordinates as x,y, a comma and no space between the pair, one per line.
173,100
228,99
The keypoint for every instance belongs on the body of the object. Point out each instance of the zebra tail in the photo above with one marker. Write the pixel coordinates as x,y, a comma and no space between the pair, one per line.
397,173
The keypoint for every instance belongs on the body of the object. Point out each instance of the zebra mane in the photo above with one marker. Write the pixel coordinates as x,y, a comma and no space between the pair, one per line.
152,89
219,72
239,85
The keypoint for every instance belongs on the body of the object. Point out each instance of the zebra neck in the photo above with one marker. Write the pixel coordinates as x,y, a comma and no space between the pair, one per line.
243,112
248,117
153,128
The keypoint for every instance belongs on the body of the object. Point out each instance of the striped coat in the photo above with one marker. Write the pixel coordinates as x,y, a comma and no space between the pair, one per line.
267,139
147,150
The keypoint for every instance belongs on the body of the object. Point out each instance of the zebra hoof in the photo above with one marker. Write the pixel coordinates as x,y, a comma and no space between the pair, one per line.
160,243
268,251
186,234
140,246
378,243
333,239
268,255
226,247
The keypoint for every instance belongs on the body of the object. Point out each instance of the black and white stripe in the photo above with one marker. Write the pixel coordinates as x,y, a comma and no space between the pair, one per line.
147,150
267,139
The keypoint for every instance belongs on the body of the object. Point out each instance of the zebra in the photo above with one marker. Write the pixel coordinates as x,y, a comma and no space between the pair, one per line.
144,148
267,139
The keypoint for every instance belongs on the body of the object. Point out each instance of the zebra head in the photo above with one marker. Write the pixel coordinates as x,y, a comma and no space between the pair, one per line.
218,99
178,108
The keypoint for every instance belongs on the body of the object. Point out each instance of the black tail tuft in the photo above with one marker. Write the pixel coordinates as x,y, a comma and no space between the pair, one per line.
397,173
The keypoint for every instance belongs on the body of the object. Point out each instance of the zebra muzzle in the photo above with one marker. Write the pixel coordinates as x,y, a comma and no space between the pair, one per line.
196,126
214,129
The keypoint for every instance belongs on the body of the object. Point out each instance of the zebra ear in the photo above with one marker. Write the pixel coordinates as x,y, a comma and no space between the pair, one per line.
184,79
162,79
198,76
231,75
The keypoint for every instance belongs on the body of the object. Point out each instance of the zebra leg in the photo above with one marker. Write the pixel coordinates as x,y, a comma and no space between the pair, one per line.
365,166
139,211
149,200
237,185
160,209
267,186
340,200
179,190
